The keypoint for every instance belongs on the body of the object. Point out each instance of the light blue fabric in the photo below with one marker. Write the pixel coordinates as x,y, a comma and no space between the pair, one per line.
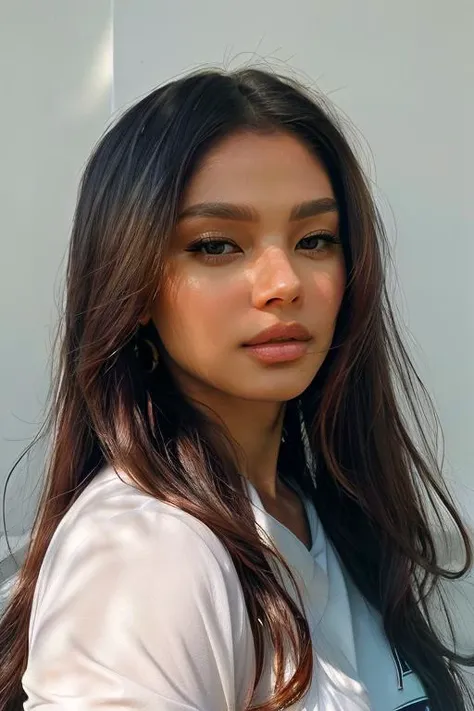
340,618
390,684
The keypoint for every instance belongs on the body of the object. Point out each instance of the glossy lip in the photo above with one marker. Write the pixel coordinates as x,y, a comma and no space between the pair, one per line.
281,333
278,351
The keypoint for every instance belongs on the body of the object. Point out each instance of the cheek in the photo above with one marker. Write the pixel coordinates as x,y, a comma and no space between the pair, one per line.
328,290
192,308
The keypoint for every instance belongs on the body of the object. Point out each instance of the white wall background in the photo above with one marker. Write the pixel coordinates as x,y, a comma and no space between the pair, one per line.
402,71
55,79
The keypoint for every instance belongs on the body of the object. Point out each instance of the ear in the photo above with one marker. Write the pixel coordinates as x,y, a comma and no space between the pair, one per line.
144,320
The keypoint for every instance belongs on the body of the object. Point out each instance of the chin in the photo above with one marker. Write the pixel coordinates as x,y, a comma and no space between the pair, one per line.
275,397
276,389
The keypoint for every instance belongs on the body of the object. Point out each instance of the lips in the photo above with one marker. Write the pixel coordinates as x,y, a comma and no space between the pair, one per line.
281,332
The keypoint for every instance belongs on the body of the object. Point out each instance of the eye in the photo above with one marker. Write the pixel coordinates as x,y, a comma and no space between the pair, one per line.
318,241
213,247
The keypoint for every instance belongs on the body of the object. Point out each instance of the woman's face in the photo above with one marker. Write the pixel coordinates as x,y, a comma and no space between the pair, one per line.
256,246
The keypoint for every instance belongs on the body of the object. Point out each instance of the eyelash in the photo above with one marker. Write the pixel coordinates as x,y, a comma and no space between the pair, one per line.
195,247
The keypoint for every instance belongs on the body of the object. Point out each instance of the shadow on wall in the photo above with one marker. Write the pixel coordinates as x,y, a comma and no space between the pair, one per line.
53,112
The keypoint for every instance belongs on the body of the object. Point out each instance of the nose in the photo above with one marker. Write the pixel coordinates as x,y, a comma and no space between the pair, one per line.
274,279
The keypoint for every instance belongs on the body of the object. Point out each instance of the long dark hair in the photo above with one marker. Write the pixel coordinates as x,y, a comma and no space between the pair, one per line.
375,471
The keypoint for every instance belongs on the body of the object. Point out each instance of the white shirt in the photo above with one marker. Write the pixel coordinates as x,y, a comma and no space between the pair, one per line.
138,606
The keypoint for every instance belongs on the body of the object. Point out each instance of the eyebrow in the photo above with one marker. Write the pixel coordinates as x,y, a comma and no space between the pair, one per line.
246,213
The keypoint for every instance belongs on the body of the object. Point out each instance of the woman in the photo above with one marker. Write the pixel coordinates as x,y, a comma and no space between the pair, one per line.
235,514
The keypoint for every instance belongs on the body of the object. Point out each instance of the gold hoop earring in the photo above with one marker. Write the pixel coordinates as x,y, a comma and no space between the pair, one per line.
155,356
147,353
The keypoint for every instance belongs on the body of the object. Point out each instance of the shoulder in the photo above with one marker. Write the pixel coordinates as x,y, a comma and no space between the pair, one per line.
113,509
134,591
130,533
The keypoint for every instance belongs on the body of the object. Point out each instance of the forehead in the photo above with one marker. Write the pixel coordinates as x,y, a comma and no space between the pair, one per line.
254,168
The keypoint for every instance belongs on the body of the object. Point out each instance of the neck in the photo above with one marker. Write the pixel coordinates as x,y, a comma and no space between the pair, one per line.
256,428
